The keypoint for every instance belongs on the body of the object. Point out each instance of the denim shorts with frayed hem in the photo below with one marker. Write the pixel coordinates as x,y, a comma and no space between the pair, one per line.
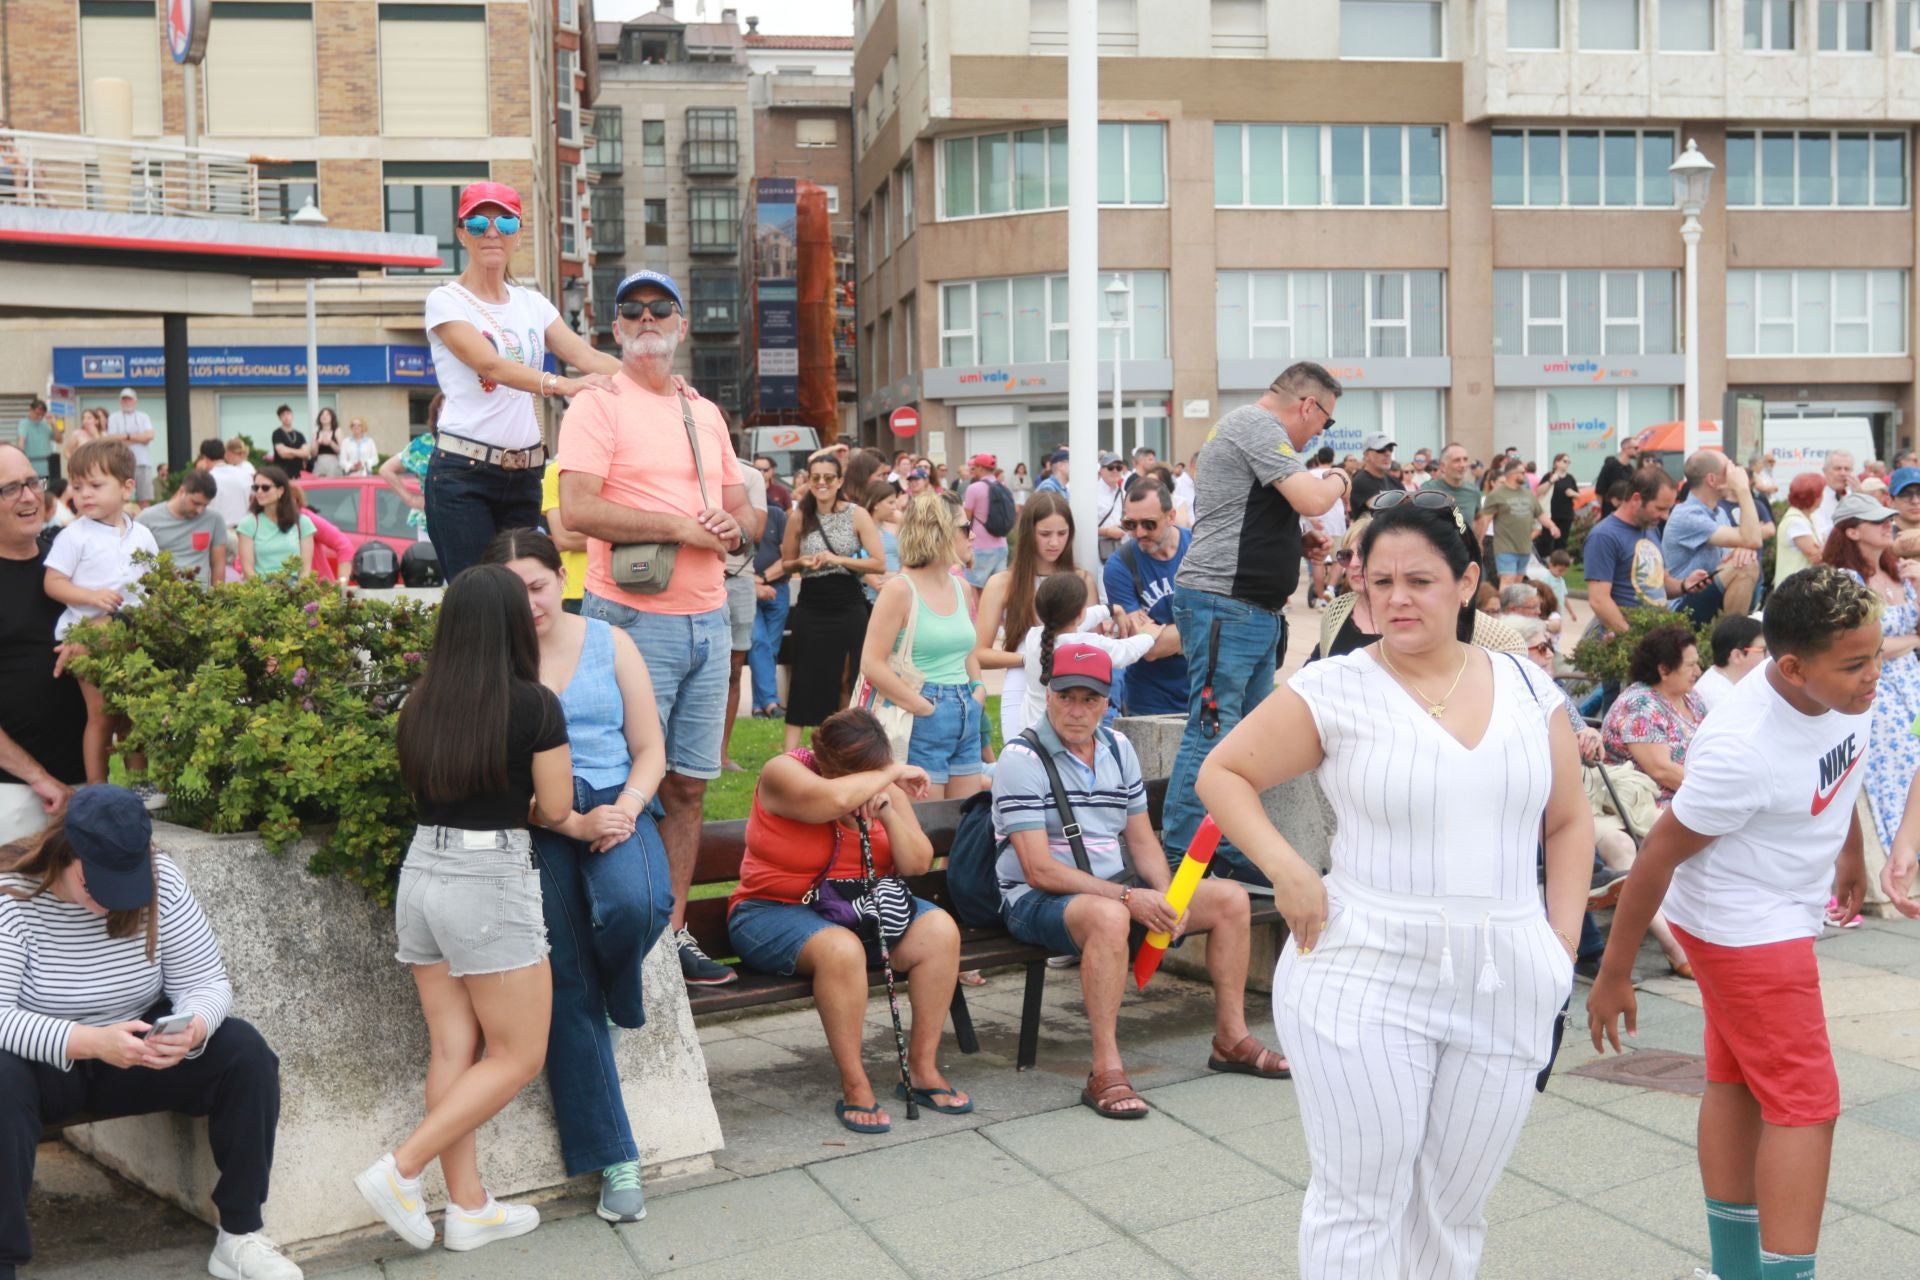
470,900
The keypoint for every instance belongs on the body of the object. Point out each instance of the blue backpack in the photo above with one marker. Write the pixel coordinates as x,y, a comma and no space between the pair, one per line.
973,885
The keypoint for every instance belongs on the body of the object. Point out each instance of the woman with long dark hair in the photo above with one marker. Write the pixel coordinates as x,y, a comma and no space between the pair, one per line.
603,889
1421,975
832,543
276,532
326,443
483,749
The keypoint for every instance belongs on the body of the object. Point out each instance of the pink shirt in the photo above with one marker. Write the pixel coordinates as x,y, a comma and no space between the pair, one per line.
331,548
637,444
976,502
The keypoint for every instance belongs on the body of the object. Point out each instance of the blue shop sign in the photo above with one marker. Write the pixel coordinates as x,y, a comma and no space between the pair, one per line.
357,365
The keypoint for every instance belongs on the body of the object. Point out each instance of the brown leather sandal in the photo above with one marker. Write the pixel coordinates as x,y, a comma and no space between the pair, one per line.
1250,1058
1106,1090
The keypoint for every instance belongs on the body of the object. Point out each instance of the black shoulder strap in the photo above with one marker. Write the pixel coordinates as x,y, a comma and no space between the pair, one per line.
1129,551
1063,806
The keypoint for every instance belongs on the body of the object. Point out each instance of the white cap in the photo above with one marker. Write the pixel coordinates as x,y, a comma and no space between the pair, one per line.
128,393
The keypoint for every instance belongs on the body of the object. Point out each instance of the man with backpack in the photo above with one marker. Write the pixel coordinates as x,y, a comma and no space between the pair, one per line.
990,503
1139,578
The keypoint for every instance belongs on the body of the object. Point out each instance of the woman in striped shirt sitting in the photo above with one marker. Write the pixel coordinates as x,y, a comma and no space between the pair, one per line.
102,950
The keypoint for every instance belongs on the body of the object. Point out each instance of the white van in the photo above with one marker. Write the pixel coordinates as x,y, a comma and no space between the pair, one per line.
1800,445
789,447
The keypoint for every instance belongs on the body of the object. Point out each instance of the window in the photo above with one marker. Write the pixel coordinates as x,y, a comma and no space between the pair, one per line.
1392,28
605,281
260,71
1846,26
566,95
1816,313
609,140
1583,313
1816,169
716,372
714,297
1119,27
818,131
903,184
1769,25
1533,24
117,39
1686,26
566,199
1343,314
609,205
1239,28
1286,165
1413,418
1906,27
1582,168
883,220
284,188
1609,24
653,143
712,145
420,199
713,219
909,335
433,71
569,13
653,217
1026,171
1023,320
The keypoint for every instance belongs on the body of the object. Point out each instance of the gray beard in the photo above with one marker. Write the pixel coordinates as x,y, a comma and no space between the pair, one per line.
637,347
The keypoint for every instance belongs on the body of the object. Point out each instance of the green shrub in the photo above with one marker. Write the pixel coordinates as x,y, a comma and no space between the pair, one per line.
270,704
1608,658
1583,522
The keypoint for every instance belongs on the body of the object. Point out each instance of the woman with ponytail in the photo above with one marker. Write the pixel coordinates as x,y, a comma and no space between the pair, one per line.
1444,763
1065,618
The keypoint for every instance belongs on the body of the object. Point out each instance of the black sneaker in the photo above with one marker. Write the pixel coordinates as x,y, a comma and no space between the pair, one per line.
1604,891
697,968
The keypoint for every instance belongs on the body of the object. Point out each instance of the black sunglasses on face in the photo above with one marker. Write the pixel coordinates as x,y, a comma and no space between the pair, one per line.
1314,401
659,309
265,488
1141,526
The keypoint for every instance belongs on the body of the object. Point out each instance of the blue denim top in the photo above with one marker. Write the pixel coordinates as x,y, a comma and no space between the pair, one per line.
596,714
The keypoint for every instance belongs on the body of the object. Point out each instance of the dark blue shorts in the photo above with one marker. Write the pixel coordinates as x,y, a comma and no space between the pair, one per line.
1039,919
769,935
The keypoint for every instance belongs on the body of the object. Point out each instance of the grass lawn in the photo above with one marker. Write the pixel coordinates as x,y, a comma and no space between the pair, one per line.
1576,578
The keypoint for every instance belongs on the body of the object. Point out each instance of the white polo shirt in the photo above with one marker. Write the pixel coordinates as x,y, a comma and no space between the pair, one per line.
96,555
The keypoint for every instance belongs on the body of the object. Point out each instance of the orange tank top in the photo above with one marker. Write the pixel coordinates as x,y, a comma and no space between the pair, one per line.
785,858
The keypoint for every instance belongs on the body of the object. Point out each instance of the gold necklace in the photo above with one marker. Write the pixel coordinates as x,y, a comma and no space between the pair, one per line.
1436,707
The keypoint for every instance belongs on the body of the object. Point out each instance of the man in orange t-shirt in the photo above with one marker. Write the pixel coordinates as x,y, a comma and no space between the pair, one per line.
627,474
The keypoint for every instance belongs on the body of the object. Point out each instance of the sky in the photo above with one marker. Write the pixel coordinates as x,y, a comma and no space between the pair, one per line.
777,17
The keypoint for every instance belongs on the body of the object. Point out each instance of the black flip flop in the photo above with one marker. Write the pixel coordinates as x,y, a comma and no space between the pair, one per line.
841,1109
925,1097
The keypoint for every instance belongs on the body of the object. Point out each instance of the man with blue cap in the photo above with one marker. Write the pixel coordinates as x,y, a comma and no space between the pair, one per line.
1903,495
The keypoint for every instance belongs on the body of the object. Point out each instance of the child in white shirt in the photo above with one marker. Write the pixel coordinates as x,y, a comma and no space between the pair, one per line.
90,566
1067,617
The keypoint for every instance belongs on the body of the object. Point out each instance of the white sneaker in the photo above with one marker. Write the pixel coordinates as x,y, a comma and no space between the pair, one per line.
494,1221
397,1201
250,1257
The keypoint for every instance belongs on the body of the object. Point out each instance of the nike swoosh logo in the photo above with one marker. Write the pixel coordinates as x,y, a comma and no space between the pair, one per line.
499,1216
1820,802
410,1206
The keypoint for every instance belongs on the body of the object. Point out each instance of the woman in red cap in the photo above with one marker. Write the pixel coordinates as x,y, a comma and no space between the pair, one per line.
490,342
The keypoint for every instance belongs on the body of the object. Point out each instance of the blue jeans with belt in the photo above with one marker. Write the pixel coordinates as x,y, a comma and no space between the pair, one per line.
769,625
604,913
468,501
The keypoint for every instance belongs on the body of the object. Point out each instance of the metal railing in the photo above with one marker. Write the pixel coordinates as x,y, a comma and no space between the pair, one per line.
72,171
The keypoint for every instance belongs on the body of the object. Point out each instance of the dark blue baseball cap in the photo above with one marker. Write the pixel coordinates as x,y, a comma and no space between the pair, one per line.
1902,480
658,279
112,835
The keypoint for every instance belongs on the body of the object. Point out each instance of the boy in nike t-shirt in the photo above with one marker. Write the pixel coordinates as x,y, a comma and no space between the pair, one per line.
1745,859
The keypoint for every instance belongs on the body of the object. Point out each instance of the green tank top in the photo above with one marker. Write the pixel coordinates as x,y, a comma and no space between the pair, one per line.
941,643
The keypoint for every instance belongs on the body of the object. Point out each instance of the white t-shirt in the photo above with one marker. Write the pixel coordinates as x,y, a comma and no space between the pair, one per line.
120,424
1124,653
1332,522
1711,687
1823,515
96,555
756,486
517,328
1777,789
232,483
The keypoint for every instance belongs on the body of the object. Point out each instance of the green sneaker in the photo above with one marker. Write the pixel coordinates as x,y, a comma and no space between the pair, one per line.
621,1199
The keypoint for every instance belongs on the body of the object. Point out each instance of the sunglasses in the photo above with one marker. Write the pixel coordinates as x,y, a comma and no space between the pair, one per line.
507,224
1142,526
659,309
265,488
32,484
823,479
1115,466
1323,412
1432,499
1542,647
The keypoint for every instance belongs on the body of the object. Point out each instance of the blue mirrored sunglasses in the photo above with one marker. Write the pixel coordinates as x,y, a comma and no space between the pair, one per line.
508,224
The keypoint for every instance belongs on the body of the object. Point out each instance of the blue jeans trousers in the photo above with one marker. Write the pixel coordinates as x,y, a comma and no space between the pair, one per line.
1250,641
769,624
604,912
468,502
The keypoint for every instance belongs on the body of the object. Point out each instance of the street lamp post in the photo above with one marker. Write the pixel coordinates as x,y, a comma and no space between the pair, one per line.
1116,295
309,215
1692,179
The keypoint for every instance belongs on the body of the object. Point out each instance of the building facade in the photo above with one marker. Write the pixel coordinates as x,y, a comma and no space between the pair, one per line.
1462,209
379,113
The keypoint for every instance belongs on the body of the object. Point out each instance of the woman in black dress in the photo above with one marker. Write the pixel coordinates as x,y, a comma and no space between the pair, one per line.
1560,487
830,543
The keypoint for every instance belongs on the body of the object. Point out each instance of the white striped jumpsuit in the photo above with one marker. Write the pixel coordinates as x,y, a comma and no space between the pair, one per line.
1418,1023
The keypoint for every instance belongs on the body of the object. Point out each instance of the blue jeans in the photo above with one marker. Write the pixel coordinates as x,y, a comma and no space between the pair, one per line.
985,565
690,659
769,624
468,502
946,741
604,913
1251,639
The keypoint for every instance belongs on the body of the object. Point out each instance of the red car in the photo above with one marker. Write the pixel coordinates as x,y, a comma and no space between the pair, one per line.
364,508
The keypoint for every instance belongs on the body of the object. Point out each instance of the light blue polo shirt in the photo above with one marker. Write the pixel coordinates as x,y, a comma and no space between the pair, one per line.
1103,797
1685,544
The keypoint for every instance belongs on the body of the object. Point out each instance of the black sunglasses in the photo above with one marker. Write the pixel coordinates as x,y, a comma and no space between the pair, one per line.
1142,526
1432,499
1315,402
265,488
659,308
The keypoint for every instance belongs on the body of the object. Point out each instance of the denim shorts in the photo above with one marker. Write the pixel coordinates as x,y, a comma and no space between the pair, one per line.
470,899
769,935
1509,562
1039,919
742,606
689,657
946,742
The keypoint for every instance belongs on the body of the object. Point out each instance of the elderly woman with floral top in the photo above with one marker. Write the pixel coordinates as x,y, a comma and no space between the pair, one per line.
1653,722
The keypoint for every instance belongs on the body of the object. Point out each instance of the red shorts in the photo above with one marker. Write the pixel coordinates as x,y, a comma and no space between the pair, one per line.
1766,1027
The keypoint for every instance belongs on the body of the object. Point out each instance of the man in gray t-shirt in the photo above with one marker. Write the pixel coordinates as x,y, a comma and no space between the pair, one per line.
184,525
1250,491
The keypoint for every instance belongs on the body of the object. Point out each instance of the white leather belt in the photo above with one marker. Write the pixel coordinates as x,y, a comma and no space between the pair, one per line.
505,459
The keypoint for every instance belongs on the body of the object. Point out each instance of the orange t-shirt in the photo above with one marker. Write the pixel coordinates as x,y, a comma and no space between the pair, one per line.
784,858
636,443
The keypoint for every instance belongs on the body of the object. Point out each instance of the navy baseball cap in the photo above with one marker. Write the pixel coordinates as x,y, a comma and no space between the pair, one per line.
658,279
112,835
1902,480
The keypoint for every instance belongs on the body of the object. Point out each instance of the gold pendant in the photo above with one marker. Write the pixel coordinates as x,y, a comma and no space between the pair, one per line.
1436,711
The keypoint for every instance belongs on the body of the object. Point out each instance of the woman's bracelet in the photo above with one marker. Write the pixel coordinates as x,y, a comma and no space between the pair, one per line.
548,382
637,794
1573,948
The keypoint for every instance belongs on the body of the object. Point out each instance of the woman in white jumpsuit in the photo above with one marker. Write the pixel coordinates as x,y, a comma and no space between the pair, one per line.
1417,990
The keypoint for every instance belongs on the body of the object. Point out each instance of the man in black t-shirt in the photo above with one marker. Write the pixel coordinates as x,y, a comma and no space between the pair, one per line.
1613,471
290,448
42,715
1371,479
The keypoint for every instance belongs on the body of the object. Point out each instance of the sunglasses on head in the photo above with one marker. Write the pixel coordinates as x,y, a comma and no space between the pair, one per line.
1141,526
1432,499
659,309
507,224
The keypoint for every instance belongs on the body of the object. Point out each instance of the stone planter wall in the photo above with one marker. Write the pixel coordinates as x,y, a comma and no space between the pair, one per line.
311,961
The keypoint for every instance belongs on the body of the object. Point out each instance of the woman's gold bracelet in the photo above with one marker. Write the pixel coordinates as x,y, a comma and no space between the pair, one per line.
1573,948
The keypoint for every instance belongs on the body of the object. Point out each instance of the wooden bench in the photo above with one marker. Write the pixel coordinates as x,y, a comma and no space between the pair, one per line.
722,844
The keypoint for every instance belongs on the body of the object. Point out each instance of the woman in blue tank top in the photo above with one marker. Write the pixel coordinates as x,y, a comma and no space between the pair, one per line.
607,897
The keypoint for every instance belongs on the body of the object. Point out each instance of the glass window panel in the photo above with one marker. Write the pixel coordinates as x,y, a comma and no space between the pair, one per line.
1228,186
1543,168
1546,340
1543,295
1622,164
1347,313
1030,169
1270,297
1776,168
1657,336
1816,169
1416,420
1583,167
993,327
1740,313
1858,25
1149,315
1742,179
1303,165
1266,163
1359,418
1029,319
1533,24
1623,295
1272,342
1384,183
1782,19
1509,167
1349,164
1056,317
1686,26
1889,169
995,177
1113,164
1889,315
1508,320
1852,162
1584,335
1426,183
1656,184
1811,313
1582,422
1146,164
1310,311
1390,28
1428,317
1609,24
1231,323
1753,24
959,178
1649,407
1829,25
1057,167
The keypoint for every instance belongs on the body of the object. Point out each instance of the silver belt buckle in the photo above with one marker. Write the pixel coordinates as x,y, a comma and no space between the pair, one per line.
514,459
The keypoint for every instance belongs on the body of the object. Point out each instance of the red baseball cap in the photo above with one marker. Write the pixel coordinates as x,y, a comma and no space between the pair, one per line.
983,460
475,194
1081,666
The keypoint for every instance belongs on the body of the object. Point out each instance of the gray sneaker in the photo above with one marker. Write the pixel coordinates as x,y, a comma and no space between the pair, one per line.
621,1199
697,968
